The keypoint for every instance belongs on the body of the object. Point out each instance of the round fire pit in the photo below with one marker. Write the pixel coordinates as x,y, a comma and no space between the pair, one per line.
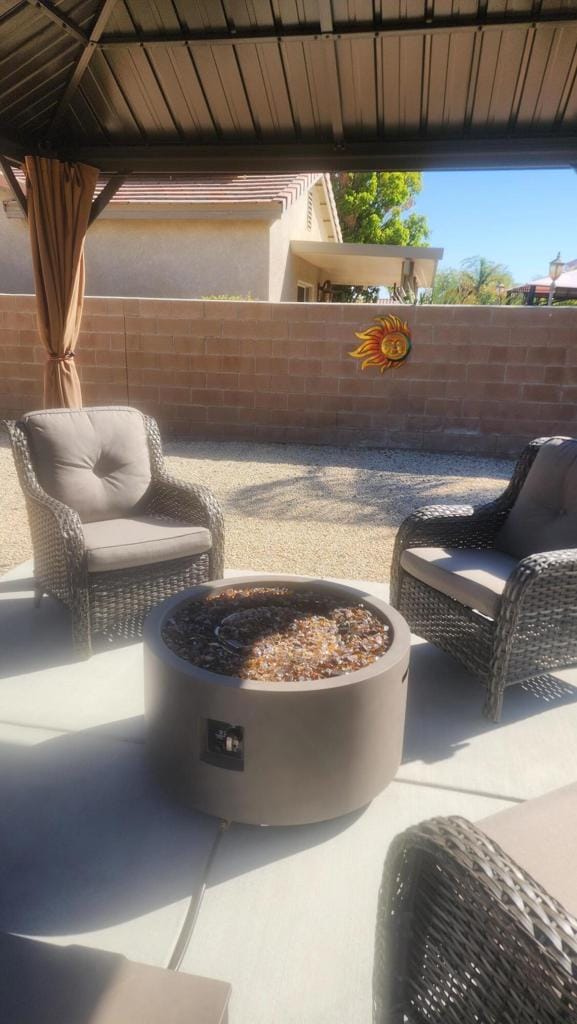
275,750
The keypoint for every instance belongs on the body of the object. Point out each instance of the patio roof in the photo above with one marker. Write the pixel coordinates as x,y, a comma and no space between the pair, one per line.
565,285
239,86
371,265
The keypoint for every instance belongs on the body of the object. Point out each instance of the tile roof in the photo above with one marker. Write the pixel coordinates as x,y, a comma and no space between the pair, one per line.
283,189
222,188
214,189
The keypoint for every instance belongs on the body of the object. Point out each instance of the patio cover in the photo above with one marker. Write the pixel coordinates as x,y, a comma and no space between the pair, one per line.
371,265
565,285
129,86
285,85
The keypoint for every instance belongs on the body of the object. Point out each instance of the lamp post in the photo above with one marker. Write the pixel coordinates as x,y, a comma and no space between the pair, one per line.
556,267
501,292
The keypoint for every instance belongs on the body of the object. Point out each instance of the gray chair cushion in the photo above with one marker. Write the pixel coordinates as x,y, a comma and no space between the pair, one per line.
45,984
143,540
473,578
96,461
544,516
541,836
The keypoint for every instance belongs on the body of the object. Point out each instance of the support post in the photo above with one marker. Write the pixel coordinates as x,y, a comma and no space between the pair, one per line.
14,185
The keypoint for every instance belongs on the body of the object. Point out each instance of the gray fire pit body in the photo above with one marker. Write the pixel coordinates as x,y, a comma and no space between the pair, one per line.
275,753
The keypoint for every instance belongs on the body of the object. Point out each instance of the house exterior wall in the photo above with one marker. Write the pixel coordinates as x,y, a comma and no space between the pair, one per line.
286,269
185,259
15,257
175,258
479,378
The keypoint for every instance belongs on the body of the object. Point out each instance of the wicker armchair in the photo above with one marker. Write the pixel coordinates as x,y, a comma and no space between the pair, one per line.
112,533
509,612
476,923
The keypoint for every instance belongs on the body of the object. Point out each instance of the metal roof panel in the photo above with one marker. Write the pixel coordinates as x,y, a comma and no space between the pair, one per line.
349,82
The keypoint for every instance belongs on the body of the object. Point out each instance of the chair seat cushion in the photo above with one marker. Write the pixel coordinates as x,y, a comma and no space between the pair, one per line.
541,837
473,578
126,543
45,984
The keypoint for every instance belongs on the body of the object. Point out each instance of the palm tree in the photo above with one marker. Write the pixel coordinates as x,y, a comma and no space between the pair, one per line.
479,278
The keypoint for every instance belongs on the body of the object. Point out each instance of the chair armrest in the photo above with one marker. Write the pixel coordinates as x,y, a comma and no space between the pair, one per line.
541,569
461,526
192,503
541,585
461,924
52,523
455,526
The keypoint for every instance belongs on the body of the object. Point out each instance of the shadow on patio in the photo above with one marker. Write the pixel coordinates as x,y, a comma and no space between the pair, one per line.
90,840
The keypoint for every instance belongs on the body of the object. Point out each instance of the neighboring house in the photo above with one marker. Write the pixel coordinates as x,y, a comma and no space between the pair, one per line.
267,237
535,292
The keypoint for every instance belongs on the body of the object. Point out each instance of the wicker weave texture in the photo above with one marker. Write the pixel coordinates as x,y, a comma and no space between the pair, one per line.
465,936
114,604
535,630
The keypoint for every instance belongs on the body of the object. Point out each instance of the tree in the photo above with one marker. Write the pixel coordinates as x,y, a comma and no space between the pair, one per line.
474,284
373,209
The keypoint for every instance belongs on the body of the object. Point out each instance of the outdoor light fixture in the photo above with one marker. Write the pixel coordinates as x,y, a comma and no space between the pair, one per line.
501,290
556,268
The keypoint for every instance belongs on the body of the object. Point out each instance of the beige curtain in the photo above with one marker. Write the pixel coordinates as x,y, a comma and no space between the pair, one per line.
59,199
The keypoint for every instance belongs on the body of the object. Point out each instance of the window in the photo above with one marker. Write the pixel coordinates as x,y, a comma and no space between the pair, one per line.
304,292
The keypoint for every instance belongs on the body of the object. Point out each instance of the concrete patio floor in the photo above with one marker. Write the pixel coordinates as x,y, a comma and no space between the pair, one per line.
93,852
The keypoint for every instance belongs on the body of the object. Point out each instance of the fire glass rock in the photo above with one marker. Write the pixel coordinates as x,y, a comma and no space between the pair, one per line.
277,634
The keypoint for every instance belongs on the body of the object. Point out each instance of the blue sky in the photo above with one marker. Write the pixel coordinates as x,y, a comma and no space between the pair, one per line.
519,218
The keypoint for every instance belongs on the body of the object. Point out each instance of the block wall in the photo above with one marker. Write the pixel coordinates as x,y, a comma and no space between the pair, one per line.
482,379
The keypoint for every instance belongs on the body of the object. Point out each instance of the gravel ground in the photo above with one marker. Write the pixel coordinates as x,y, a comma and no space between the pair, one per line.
291,508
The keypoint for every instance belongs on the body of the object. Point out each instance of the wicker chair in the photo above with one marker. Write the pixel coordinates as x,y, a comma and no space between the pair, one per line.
496,585
476,923
112,533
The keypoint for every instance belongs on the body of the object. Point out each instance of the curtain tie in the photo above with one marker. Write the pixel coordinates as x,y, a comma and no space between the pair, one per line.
60,359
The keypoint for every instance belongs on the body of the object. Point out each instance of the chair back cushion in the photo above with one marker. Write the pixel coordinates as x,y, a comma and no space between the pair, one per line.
544,516
96,461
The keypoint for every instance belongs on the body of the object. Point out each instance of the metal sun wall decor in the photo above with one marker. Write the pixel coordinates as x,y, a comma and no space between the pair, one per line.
386,344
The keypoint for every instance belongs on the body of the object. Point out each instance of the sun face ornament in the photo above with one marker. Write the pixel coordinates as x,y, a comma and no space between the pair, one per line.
386,344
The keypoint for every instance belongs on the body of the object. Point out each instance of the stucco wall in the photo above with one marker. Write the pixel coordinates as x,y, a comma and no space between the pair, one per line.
479,378
15,259
174,258
285,269
177,258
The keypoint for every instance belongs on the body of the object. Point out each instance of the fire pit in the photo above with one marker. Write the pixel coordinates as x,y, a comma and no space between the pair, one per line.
277,701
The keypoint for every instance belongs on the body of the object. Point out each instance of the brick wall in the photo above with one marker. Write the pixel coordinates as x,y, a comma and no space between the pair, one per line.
479,378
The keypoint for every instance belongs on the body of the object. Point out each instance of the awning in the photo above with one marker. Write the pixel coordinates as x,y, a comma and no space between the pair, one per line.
371,265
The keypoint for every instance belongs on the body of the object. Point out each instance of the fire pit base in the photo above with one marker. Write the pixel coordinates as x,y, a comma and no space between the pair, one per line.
282,753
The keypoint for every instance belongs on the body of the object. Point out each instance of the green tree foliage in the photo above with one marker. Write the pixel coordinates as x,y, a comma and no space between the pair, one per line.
373,209
474,284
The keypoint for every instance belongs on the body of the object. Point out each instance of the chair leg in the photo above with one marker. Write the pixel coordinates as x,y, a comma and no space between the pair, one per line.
494,701
38,593
81,631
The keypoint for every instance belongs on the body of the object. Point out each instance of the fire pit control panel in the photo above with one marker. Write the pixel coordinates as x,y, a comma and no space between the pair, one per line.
223,745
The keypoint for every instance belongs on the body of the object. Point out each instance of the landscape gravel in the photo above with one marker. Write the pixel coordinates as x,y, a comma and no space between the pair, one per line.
323,511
